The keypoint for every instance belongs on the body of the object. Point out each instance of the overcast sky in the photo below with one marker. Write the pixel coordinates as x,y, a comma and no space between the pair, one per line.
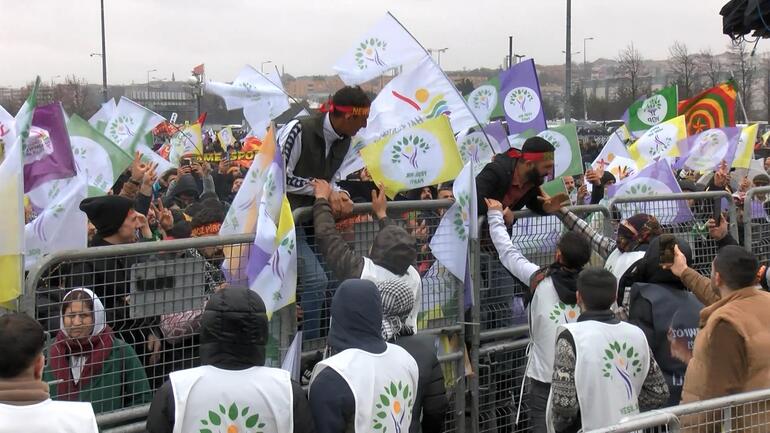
55,37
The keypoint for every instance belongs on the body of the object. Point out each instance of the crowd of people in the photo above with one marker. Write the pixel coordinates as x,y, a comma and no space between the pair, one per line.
643,332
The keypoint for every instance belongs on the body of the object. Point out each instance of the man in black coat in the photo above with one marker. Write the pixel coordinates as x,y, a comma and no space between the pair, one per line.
514,177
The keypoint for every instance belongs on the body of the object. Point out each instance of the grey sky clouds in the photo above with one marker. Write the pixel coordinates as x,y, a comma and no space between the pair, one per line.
55,37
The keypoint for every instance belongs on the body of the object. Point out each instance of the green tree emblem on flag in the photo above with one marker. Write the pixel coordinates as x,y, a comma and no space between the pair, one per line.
482,99
121,127
469,148
287,246
520,99
461,217
641,189
369,51
392,407
232,420
251,90
659,146
564,311
409,148
651,108
623,362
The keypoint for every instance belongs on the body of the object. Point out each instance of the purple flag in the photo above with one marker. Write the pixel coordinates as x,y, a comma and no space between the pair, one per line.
655,179
706,150
496,133
47,151
522,103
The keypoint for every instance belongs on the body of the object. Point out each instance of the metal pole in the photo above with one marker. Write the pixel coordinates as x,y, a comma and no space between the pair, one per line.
585,78
510,52
740,101
568,59
104,59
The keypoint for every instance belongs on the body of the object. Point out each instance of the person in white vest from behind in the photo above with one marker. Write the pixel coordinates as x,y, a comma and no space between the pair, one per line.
604,370
232,391
367,385
620,254
551,301
25,404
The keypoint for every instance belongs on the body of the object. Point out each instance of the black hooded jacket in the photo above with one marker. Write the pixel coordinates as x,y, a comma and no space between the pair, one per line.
654,282
233,337
356,324
186,183
393,248
495,180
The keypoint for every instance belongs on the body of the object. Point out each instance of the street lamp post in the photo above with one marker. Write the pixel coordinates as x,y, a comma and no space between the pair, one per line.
439,51
148,83
104,59
568,61
519,57
196,82
585,79
262,66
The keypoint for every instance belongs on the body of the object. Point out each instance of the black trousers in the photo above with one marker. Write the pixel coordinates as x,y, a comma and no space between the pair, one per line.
537,400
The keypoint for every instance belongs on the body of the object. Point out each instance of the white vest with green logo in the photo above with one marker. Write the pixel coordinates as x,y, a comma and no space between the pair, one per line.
48,417
377,274
546,313
612,361
255,399
383,385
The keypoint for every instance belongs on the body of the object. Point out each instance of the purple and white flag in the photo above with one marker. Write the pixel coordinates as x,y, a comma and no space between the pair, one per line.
655,179
523,106
497,136
706,150
47,151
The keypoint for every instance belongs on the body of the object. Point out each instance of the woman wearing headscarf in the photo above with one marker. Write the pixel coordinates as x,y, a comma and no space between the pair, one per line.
430,404
622,253
87,362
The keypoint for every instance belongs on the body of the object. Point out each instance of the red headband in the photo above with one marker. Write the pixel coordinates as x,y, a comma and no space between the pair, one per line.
531,156
329,107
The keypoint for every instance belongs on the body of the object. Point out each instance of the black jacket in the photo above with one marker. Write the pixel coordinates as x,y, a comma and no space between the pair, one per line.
220,338
356,324
495,180
431,400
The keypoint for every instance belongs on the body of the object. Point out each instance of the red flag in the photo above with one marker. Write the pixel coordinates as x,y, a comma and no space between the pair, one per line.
199,70
201,119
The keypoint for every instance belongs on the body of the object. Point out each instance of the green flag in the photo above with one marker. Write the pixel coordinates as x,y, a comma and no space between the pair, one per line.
484,101
661,106
567,159
96,156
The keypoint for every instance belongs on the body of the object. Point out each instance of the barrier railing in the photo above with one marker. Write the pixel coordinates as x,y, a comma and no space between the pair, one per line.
748,411
684,215
491,336
756,228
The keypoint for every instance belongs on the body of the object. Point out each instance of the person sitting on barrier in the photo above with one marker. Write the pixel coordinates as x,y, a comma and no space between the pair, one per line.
25,402
514,178
391,257
232,390
622,253
730,354
87,362
367,384
654,300
604,370
551,301
430,402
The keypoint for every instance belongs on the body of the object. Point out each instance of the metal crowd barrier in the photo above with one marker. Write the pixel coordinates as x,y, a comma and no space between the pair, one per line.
684,215
756,228
744,412
482,347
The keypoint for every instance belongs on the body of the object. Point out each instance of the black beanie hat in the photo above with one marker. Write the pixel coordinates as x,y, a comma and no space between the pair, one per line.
107,213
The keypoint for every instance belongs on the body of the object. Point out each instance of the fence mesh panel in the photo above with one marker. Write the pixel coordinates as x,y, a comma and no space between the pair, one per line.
502,370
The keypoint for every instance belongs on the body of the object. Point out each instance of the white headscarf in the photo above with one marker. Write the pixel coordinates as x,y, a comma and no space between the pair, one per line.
100,318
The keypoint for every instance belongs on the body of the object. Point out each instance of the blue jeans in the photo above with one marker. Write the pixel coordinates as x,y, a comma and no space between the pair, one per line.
312,286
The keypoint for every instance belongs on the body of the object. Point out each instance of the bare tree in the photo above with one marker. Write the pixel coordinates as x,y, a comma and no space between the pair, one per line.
744,70
711,67
683,65
630,70
75,96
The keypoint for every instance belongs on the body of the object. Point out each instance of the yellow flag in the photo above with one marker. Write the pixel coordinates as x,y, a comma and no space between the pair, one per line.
659,141
422,155
744,153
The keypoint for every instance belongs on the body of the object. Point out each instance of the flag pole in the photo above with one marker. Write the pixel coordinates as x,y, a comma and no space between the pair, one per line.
740,101
278,87
481,127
